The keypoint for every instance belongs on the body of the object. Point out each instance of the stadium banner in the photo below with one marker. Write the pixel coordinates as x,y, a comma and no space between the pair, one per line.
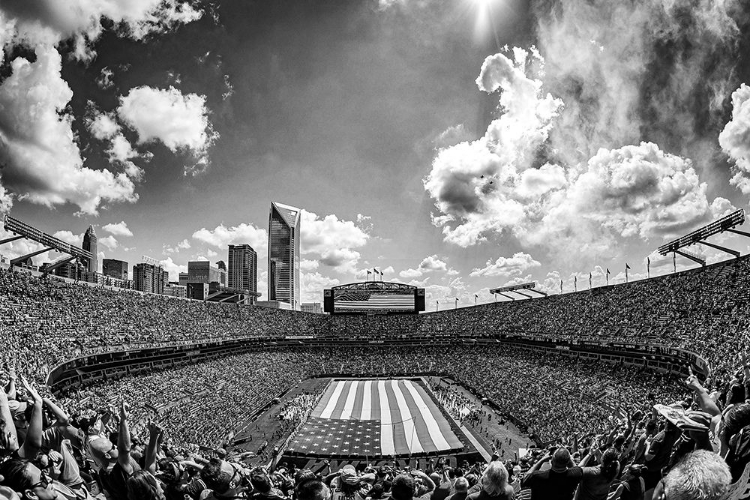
375,418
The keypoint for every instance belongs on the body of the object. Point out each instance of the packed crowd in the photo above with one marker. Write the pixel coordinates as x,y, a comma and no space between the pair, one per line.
706,310
237,386
695,448
577,404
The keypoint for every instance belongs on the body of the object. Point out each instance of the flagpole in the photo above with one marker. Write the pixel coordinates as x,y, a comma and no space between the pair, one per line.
648,267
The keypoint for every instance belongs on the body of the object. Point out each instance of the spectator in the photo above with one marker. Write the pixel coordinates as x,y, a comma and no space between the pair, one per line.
700,475
494,484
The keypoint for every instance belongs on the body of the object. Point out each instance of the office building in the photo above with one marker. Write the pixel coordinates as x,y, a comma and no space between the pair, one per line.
89,243
284,254
115,269
312,307
201,271
149,278
243,269
183,279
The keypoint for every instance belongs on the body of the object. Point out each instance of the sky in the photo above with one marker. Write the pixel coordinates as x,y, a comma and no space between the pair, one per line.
454,145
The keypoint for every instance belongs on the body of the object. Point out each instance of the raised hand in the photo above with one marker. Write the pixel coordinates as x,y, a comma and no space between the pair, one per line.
30,389
124,410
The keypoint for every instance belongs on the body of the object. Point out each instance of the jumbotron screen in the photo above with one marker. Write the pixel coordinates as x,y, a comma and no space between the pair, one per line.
351,301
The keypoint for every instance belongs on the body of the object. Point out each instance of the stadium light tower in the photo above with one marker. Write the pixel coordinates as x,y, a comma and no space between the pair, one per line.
727,223
515,289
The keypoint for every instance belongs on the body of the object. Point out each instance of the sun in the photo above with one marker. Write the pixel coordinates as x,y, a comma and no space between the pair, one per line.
483,20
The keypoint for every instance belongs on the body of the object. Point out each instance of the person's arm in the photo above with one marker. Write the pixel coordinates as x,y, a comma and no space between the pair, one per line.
535,468
591,454
652,448
60,415
33,440
153,442
429,483
327,480
10,388
702,396
746,372
123,440
9,438
617,493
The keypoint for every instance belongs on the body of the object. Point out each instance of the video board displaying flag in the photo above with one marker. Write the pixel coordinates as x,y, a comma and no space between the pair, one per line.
375,418
351,300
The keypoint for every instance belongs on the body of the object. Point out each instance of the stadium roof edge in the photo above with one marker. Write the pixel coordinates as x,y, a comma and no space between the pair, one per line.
374,285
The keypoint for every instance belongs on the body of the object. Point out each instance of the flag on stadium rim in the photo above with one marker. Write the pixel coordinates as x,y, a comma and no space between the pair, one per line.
375,417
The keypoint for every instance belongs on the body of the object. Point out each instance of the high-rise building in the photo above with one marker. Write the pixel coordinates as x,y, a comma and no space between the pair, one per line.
89,243
243,269
115,269
283,254
201,271
149,278
312,307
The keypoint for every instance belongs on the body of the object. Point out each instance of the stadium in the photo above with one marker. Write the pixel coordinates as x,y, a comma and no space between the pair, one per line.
373,386
362,250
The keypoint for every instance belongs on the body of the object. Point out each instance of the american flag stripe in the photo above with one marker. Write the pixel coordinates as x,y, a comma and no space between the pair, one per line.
429,423
366,400
410,430
387,445
341,403
333,398
346,411
397,424
443,425
423,431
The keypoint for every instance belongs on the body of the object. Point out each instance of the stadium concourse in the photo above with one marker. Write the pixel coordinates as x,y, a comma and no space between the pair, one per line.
126,395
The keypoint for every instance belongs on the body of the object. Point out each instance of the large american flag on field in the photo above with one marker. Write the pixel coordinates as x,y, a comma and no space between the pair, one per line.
375,417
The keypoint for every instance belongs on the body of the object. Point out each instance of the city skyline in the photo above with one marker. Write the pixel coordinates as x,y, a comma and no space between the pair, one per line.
458,147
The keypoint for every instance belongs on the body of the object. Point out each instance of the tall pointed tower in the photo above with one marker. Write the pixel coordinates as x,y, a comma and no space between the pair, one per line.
89,243
283,254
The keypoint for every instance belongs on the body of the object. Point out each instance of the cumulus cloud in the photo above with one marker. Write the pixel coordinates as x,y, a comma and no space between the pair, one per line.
177,120
308,265
104,81
69,237
452,136
48,22
735,138
182,245
223,236
333,241
42,161
313,284
631,70
428,264
120,152
507,266
109,242
501,184
173,268
119,229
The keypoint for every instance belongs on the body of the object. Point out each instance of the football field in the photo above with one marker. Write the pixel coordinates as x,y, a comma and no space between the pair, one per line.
393,417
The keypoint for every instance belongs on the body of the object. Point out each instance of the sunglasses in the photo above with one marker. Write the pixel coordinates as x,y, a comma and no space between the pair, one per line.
44,482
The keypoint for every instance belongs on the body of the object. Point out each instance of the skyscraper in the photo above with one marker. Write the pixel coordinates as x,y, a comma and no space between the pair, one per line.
89,243
283,254
243,268
115,269
149,278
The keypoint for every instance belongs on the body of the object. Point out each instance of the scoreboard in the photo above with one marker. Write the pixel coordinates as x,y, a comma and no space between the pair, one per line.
375,297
